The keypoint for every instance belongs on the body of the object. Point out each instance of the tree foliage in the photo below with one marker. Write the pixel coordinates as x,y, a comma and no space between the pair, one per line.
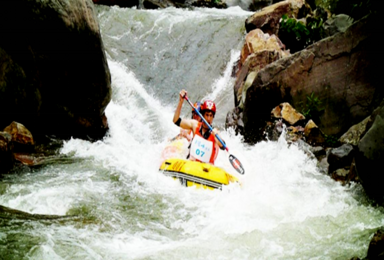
296,35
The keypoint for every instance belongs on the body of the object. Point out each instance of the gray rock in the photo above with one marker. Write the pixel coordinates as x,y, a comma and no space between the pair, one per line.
354,134
340,157
58,65
336,24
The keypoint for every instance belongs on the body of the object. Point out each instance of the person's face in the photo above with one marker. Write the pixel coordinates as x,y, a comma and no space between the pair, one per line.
208,116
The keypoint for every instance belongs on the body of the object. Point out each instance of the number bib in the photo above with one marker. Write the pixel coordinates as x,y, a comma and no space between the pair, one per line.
201,149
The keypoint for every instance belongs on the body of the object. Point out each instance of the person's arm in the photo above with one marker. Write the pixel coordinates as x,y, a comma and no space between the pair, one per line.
185,133
176,116
189,124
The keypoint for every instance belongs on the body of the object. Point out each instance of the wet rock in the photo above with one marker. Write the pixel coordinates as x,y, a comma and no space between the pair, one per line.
340,175
259,50
346,175
248,70
370,156
14,214
276,112
313,134
268,19
323,165
256,40
294,133
318,151
273,130
354,134
233,120
288,113
305,147
59,65
337,23
27,159
21,137
352,175
340,157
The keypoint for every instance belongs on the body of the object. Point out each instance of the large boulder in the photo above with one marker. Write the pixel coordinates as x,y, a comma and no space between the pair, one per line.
313,134
268,18
355,133
340,71
54,76
18,95
21,137
258,41
370,156
259,50
337,23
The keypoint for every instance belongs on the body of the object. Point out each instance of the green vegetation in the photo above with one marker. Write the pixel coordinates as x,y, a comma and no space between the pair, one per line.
316,29
331,141
296,35
312,107
291,25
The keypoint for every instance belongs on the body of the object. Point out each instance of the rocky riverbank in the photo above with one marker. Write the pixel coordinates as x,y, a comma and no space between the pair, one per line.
333,82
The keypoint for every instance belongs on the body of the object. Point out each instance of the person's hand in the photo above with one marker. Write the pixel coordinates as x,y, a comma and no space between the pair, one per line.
185,133
183,93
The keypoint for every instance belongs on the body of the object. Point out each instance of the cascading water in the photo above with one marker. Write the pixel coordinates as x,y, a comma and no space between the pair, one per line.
107,200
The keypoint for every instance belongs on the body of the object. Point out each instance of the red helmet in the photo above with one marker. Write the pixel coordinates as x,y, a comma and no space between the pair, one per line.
209,105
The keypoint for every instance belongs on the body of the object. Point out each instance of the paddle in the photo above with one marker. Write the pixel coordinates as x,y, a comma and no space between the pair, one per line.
232,159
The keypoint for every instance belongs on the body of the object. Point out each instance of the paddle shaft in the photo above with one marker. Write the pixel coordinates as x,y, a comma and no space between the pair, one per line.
232,159
205,121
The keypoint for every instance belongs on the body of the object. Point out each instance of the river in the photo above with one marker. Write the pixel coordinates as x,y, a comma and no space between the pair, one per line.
107,199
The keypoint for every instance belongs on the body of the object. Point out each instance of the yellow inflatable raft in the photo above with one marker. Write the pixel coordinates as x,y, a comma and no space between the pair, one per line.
201,175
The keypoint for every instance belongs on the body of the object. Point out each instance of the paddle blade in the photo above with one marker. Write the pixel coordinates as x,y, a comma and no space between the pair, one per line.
236,164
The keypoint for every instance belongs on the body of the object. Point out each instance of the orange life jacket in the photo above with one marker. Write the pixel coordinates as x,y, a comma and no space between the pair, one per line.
202,149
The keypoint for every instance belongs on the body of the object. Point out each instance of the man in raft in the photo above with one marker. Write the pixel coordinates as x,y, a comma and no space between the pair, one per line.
204,145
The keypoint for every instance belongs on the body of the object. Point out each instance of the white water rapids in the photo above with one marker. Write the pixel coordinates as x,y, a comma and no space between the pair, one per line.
121,207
